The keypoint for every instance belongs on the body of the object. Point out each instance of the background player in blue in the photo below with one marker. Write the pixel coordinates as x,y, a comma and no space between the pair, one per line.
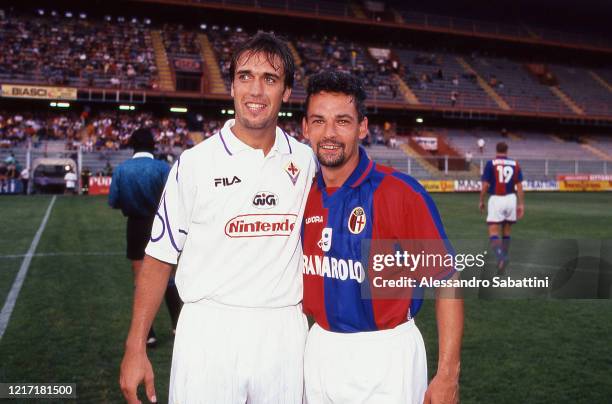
365,349
136,188
502,179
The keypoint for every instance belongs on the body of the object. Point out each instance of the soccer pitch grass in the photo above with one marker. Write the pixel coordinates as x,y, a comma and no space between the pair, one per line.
72,315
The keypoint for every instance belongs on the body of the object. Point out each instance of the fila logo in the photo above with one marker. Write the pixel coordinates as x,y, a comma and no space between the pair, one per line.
265,200
226,181
314,219
326,239
357,220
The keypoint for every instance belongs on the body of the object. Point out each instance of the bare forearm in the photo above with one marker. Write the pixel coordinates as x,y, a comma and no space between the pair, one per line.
449,314
150,287
483,191
520,193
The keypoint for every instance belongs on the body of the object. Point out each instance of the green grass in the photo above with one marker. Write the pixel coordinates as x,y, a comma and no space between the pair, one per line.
73,312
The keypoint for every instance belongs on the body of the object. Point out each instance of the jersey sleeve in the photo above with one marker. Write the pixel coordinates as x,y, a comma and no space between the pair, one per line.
519,174
487,174
171,224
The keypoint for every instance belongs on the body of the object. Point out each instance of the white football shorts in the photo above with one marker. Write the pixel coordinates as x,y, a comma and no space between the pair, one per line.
501,209
388,366
225,354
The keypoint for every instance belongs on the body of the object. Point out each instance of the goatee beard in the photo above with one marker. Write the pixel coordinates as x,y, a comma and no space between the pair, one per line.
329,161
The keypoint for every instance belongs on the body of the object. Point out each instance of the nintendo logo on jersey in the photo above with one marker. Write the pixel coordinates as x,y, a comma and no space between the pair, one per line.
357,220
262,225
265,200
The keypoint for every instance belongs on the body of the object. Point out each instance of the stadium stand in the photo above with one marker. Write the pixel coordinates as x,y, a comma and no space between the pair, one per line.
518,31
434,78
440,78
517,87
180,41
331,52
103,131
114,54
119,53
397,159
583,88
541,155
401,14
333,8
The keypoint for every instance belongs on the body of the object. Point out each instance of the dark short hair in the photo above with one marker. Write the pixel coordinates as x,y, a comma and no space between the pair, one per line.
142,140
501,147
272,47
332,81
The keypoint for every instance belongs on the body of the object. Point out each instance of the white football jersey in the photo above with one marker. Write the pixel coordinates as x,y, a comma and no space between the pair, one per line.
231,217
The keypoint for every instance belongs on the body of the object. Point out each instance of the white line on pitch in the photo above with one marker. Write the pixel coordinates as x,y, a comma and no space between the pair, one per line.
9,305
63,254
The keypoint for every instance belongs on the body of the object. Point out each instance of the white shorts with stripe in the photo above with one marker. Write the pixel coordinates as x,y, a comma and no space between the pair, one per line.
501,209
388,366
225,354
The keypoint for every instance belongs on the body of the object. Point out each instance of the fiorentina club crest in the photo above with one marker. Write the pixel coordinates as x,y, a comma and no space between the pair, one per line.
357,220
293,171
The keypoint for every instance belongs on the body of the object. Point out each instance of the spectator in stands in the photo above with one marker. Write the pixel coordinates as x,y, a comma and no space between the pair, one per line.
423,82
393,91
85,175
136,189
395,66
108,170
10,159
468,159
481,145
454,97
25,179
393,141
70,182
455,81
11,166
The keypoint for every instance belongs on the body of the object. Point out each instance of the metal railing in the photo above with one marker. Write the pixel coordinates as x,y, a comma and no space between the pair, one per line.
444,167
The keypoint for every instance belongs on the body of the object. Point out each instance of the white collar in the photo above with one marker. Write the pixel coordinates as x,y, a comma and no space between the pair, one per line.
234,145
142,154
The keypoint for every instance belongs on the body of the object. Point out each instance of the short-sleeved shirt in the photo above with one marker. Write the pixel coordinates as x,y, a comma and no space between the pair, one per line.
374,203
230,217
502,174
70,178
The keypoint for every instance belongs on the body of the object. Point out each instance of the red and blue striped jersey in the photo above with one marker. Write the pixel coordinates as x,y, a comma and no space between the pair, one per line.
374,203
502,174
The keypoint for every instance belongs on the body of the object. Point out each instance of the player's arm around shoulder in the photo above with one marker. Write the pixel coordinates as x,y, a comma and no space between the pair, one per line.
135,366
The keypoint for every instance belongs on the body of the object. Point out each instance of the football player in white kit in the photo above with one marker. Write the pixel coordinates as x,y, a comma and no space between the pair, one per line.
230,219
